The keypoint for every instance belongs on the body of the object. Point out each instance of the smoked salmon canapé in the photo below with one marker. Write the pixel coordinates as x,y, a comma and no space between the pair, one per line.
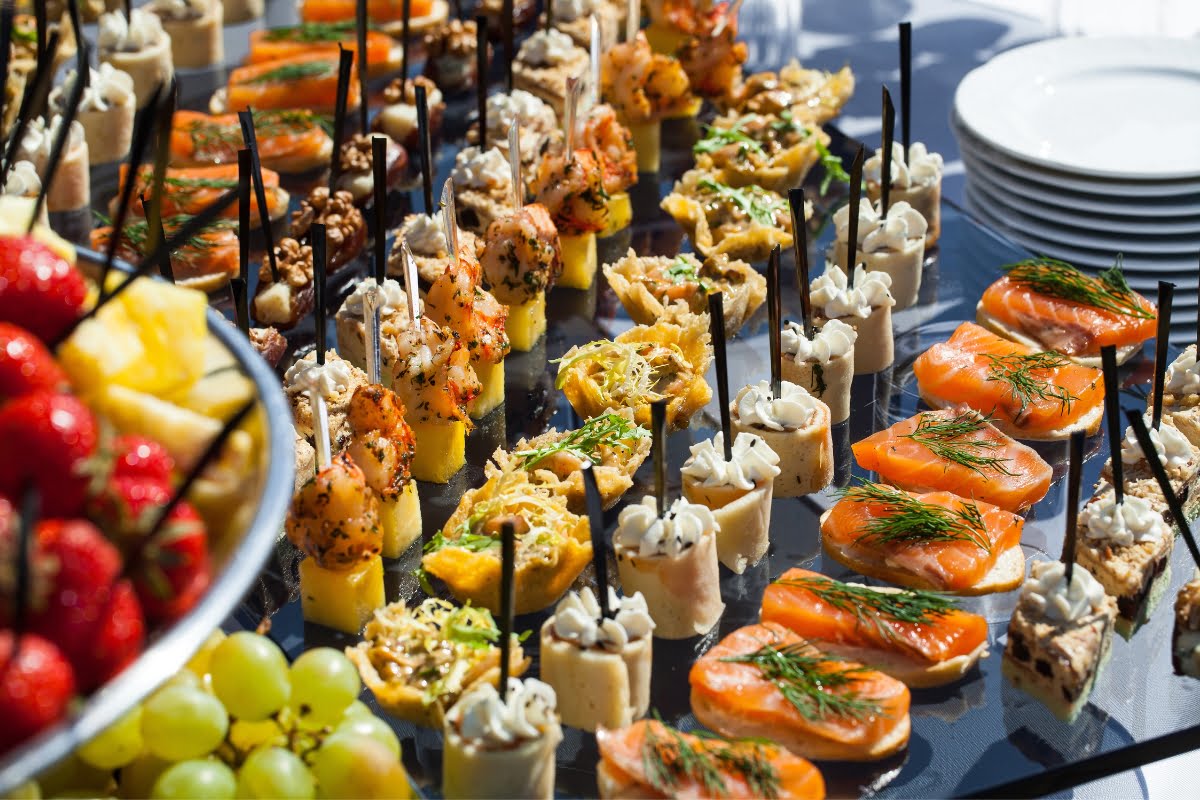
765,682
289,141
936,541
189,190
1050,305
387,14
308,81
920,638
651,759
1026,393
384,54
206,261
960,451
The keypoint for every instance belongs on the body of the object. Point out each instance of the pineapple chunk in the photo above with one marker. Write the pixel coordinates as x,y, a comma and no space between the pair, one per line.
620,214
217,356
15,213
218,395
647,142
173,328
491,396
664,38
579,261
526,323
401,518
342,600
441,450
103,351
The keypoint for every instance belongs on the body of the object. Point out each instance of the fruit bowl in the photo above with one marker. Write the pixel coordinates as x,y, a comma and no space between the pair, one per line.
237,560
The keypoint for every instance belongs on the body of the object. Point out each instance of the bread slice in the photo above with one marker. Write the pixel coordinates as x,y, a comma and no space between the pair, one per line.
1089,423
915,673
438,13
730,725
1012,334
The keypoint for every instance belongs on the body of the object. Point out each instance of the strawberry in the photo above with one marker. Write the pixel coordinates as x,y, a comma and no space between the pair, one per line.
118,639
35,687
135,456
126,508
25,364
172,569
39,289
130,476
44,440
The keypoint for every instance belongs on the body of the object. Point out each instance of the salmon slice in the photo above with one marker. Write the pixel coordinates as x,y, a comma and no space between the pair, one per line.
827,708
650,759
936,541
816,607
959,451
377,10
1028,394
1051,305
188,191
307,81
206,261
307,38
288,140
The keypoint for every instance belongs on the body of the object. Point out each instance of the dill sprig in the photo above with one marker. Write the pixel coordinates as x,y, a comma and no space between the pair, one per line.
215,139
667,759
136,232
754,201
1024,386
192,184
294,72
812,681
312,32
1054,278
873,607
908,519
946,439
607,430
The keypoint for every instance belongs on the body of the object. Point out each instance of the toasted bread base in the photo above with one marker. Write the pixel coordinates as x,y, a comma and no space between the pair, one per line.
1012,334
436,16
1089,423
912,672
1044,692
613,787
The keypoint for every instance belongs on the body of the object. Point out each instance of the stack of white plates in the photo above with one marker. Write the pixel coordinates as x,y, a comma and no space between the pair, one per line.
1083,149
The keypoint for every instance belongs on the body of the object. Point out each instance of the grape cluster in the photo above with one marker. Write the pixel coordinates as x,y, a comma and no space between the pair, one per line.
240,722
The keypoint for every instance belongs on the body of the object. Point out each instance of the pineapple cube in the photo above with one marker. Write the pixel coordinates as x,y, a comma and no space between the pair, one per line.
647,142
664,39
173,328
441,450
620,214
217,356
401,519
526,323
15,213
218,395
103,351
341,599
579,261
491,396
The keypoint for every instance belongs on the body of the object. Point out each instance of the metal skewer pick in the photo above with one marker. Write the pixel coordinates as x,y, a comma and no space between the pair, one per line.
595,512
1164,483
633,19
371,326
594,57
800,244
1074,477
716,319
905,86
411,292
856,169
658,426
889,133
426,147
450,221
514,164
318,237
1112,410
508,557
1162,340
774,314
574,87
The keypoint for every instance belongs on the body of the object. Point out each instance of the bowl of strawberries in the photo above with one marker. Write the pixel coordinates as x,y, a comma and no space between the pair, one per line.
145,471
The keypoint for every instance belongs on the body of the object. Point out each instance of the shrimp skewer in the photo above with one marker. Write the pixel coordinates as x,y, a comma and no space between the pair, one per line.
383,446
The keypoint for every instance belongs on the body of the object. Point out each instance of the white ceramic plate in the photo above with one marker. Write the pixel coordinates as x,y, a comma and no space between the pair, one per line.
1112,107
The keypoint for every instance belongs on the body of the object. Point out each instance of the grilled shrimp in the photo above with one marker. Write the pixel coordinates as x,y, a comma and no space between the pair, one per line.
334,517
714,65
383,445
640,84
608,138
522,255
458,300
573,192
432,373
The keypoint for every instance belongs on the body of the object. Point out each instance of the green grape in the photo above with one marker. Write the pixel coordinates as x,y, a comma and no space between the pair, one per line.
185,677
324,682
272,772
246,736
351,765
138,777
198,779
29,790
72,774
180,722
198,664
357,709
117,744
372,727
250,675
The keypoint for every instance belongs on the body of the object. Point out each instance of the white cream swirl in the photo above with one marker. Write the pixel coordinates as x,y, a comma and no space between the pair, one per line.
832,292
23,180
903,228
753,462
39,140
528,713
546,48
795,410
392,298
578,619
1133,520
834,339
307,376
571,10
488,171
923,168
424,235
142,31
1183,376
1172,447
107,87
640,528
181,9
1047,590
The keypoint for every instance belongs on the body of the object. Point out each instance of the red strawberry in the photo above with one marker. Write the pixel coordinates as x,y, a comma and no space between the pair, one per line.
35,687
172,569
118,639
25,364
138,457
44,439
39,289
126,508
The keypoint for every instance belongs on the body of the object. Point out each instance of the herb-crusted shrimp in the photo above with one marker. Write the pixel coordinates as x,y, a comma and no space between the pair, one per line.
522,255
572,190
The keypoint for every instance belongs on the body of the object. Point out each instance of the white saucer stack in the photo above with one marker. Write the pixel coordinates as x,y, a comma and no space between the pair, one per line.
1084,148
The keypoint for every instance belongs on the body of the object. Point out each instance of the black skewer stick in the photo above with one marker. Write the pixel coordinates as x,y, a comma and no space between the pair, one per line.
241,304
6,29
30,508
481,85
246,118
595,512
35,96
889,134
129,10
379,170
716,319
159,235
1112,410
244,179
549,14
426,148
774,317
41,29
1164,483
856,168
317,237
360,33
406,40
1074,478
59,144
458,9
345,62
1198,314
658,430
905,86
800,244
1162,340
510,52
76,30
162,154
508,557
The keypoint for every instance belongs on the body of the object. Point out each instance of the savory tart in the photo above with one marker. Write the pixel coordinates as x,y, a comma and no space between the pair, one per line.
196,30
482,188
774,152
824,365
798,430
105,111
743,223
813,96
916,181
139,47
1181,395
544,62
865,306
894,244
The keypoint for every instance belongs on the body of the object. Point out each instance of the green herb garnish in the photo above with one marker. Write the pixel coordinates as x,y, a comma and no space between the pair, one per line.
606,430
1017,371
191,184
787,123
472,626
946,439
667,759
474,542
294,72
834,171
684,271
718,138
311,32
212,140
136,232
909,520
1054,278
812,682
754,201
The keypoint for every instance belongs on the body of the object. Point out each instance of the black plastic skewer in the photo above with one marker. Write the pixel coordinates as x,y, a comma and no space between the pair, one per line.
905,86
405,37
800,244
6,28
1112,410
1198,314
1164,483
318,239
508,557
510,53
549,14
481,85
1074,478
154,221
426,147
360,34
36,92
241,304
716,318
244,179
856,168
30,508
889,134
1162,340
345,62
246,118
379,174
775,321
595,512
41,27
658,430
162,156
